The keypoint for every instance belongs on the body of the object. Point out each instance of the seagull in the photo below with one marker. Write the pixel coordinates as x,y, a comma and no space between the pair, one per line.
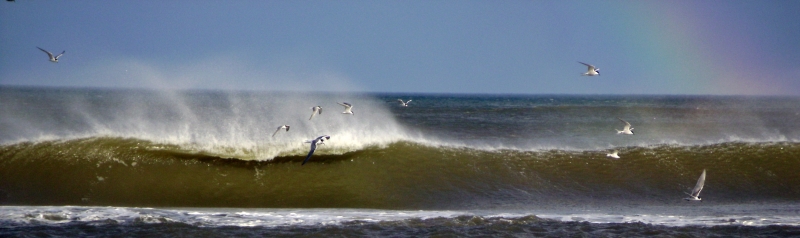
695,196
592,71
279,129
627,130
613,154
319,141
52,59
348,108
404,104
317,110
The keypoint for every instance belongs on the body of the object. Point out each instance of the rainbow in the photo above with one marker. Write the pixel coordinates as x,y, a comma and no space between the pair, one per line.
699,48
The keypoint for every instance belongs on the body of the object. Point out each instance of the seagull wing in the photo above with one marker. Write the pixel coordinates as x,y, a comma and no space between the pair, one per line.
314,112
346,106
627,125
591,67
699,186
62,53
310,152
276,131
48,52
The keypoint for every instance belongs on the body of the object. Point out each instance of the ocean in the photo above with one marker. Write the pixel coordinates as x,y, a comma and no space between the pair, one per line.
135,162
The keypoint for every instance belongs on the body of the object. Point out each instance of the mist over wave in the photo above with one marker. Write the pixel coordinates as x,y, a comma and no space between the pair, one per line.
229,124
236,124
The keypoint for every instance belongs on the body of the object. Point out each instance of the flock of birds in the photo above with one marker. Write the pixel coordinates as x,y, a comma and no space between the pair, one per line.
628,130
348,109
320,140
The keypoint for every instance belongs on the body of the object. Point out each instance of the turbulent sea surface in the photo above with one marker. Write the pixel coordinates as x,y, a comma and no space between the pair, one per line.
99,162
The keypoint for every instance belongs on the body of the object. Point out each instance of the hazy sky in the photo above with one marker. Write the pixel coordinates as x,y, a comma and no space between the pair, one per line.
528,47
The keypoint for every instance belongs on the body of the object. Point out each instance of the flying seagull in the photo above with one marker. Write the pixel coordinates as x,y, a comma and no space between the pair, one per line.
319,141
695,196
317,110
348,108
613,154
52,59
404,104
279,129
592,71
627,130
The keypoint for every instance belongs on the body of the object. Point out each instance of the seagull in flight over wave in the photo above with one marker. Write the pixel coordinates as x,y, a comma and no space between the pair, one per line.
318,141
279,129
592,71
317,110
695,196
627,130
348,108
403,104
613,154
53,59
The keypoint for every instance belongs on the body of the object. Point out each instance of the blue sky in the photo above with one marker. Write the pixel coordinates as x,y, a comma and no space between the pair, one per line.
519,47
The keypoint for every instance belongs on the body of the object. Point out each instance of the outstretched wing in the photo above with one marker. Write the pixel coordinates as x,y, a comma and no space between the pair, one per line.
314,112
276,131
59,55
699,186
310,152
627,125
591,67
48,52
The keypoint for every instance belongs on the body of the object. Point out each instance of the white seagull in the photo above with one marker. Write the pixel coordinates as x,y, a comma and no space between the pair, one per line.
627,130
404,104
53,59
613,154
317,110
318,141
695,196
592,71
279,129
348,108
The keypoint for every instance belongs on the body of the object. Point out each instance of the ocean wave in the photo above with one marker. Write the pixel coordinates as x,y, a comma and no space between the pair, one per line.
399,175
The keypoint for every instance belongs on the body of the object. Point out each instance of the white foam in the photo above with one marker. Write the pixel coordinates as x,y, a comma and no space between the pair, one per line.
215,217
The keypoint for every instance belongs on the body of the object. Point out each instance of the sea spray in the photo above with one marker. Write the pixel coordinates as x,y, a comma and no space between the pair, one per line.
232,124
